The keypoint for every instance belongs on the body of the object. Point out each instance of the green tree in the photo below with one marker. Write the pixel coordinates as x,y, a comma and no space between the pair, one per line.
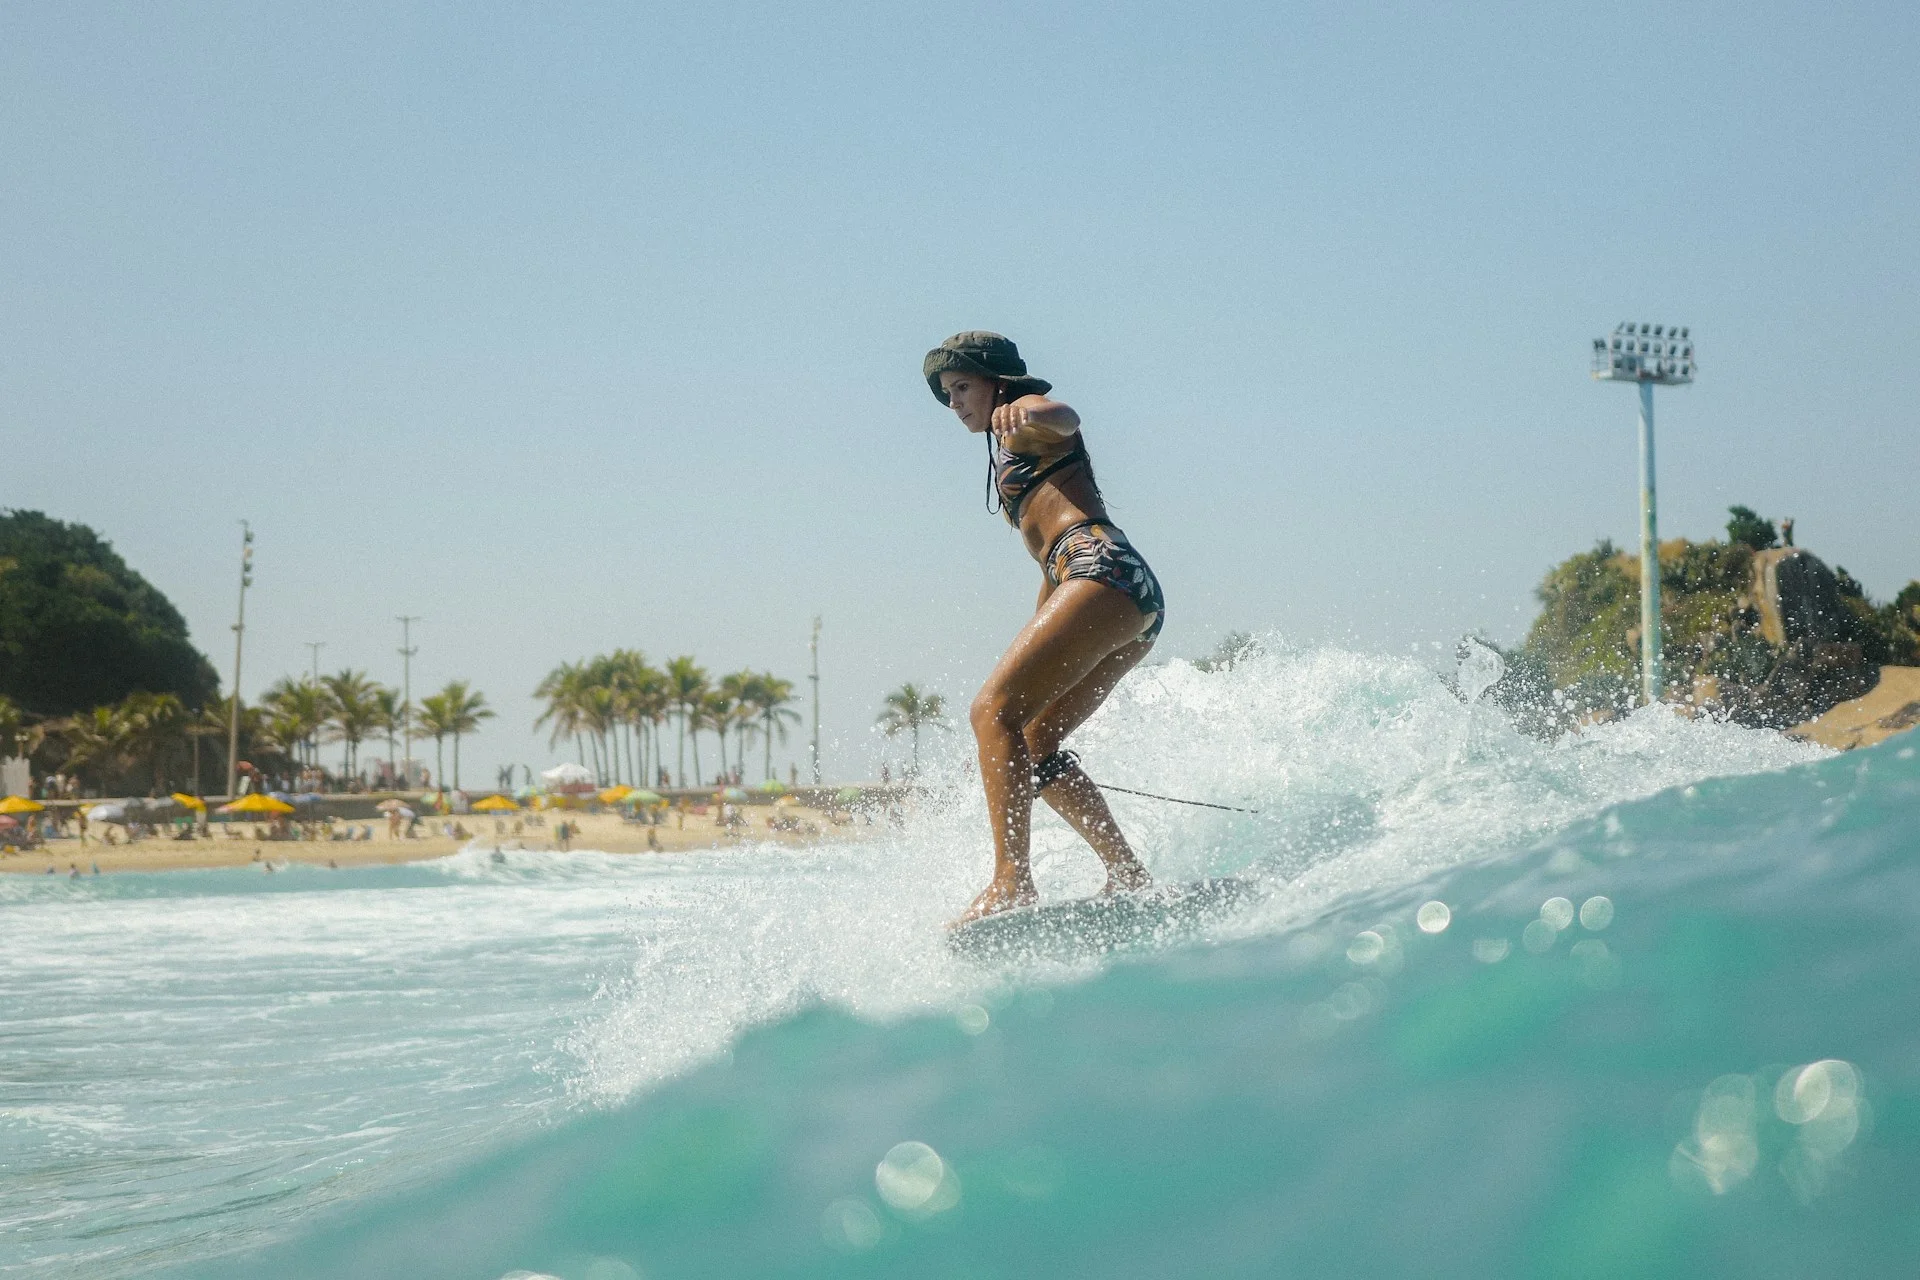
79,629
686,689
389,718
436,720
464,709
1747,528
908,709
772,699
356,713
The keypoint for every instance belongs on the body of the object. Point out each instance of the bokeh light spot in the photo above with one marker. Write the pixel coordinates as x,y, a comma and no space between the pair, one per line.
1596,913
1490,950
972,1019
850,1225
1433,917
1538,937
1557,912
913,1179
1366,947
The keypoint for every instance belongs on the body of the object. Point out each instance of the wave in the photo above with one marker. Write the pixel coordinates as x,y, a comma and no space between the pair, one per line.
1613,1005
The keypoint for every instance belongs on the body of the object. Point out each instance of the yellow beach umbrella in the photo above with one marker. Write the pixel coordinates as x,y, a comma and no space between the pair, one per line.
20,804
257,802
495,804
186,801
614,795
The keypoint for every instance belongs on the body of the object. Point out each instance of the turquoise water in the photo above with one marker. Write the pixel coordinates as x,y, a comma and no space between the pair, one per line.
1631,1004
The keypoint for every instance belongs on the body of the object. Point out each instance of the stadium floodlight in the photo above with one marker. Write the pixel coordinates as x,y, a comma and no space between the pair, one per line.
1649,355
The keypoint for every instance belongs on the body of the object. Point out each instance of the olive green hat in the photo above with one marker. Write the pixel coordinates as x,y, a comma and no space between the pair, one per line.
987,355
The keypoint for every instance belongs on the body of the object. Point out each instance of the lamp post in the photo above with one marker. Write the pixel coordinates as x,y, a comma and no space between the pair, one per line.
239,634
1648,355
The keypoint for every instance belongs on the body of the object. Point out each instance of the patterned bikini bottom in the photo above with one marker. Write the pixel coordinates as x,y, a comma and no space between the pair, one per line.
1098,552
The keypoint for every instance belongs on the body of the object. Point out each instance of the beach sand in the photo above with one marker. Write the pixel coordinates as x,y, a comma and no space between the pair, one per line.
1891,706
605,832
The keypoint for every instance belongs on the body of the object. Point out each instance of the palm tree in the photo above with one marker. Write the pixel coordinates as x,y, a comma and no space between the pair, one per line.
566,707
155,724
739,712
300,709
686,687
908,708
771,696
389,716
436,720
99,741
465,708
355,712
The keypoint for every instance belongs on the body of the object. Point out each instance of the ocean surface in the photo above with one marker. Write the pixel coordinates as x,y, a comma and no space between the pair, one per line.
1638,1002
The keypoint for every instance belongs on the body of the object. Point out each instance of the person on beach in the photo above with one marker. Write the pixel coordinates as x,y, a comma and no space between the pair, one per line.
1100,608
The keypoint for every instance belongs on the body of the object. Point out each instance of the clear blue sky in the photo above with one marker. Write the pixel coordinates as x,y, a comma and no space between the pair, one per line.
575,326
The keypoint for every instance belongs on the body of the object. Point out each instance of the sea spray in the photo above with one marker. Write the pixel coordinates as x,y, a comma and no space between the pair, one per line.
200,1060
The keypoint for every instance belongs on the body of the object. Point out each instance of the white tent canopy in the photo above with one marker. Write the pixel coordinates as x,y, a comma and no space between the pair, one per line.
567,775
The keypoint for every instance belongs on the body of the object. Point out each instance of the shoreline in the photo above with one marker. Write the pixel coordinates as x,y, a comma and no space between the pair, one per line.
597,832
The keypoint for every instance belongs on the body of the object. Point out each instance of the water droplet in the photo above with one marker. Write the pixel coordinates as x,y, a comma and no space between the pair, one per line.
1366,947
1490,950
1596,913
1433,917
972,1019
1538,937
1557,912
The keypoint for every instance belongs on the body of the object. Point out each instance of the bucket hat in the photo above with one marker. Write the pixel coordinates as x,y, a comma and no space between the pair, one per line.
987,355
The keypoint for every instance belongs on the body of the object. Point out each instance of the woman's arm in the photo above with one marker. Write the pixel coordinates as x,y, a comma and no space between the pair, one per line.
1034,424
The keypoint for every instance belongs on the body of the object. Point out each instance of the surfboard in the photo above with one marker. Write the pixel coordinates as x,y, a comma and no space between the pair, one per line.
1157,916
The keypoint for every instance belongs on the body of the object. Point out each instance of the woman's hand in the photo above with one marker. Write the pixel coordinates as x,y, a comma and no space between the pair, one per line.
1032,423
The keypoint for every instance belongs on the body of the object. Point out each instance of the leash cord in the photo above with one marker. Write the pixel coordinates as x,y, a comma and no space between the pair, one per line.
1199,804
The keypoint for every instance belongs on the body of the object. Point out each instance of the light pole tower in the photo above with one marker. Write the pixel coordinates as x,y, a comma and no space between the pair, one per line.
1649,355
239,634
407,650
815,677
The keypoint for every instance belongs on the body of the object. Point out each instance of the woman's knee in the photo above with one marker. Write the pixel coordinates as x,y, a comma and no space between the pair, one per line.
993,712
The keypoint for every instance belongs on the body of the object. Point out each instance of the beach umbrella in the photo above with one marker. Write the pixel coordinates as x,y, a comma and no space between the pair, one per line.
495,804
614,795
527,792
253,804
568,775
186,801
390,806
642,796
772,786
734,793
20,804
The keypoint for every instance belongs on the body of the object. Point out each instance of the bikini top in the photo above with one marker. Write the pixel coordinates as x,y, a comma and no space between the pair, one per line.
1011,477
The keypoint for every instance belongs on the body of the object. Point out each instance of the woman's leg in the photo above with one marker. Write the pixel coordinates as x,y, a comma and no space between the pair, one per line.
1072,794
1080,625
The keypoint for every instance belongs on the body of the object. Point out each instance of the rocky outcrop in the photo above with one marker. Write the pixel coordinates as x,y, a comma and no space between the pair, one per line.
1819,660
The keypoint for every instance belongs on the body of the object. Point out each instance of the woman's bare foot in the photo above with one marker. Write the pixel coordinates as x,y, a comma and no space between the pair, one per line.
1002,895
1126,877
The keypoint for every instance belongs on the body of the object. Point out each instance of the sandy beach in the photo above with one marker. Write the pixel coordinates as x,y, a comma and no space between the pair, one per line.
605,832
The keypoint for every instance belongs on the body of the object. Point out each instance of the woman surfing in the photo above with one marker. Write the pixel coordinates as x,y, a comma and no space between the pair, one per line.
1099,610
